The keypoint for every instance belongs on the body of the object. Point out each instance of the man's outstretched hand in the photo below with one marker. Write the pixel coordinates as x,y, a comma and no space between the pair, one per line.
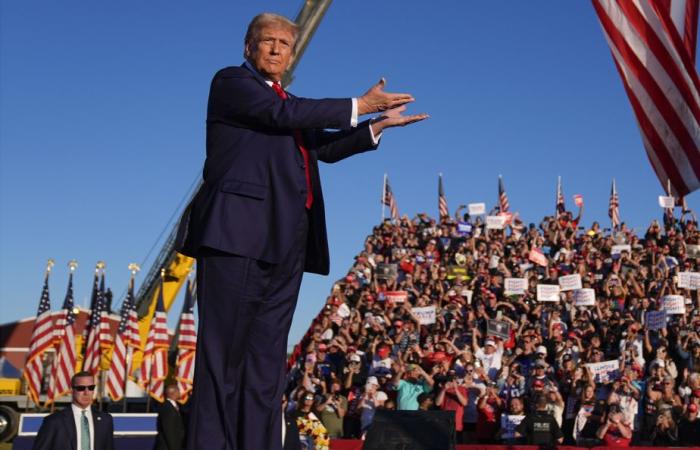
393,118
376,100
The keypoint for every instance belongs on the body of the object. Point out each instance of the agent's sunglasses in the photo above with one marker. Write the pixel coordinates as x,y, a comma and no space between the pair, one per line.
84,388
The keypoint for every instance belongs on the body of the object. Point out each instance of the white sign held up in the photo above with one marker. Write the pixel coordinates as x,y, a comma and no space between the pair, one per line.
570,282
476,209
673,304
605,371
689,280
425,314
617,249
495,222
666,202
515,286
584,297
548,292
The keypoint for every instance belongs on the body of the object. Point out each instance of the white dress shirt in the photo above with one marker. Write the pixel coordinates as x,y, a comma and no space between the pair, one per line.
77,418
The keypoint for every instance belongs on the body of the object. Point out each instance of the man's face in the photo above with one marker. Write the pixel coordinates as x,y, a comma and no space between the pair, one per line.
271,51
83,391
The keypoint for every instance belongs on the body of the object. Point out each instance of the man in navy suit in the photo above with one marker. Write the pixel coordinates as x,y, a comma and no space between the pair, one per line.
78,427
257,224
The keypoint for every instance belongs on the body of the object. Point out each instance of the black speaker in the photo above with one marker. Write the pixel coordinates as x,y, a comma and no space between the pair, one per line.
411,430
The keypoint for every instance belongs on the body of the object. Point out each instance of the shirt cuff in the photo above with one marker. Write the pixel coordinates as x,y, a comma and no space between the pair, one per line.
353,117
375,139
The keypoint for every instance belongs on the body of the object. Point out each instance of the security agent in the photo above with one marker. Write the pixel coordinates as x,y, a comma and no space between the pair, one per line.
540,427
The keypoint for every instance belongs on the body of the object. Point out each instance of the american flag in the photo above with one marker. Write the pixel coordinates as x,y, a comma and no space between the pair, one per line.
186,346
442,200
105,329
93,351
653,46
127,339
561,207
154,367
389,200
502,197
614,207
64,363
42,340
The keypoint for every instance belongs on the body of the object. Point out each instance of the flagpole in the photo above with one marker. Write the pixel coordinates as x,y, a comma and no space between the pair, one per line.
383,198
133,267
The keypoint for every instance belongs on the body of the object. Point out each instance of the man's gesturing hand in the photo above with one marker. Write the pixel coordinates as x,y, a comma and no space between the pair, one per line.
376,100
393,118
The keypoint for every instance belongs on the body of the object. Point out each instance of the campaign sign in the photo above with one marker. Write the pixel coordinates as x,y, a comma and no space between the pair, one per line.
509,422
584,297
578,200
396,296
693,251
605,371
655,320
617,249
673,304
689,280
386,271
537,256
495,222
464,228
498,328
548,292
570,282
425,314
476,209
515,286
666,202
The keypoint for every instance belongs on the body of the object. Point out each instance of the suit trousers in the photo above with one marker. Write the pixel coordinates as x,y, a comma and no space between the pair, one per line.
245,311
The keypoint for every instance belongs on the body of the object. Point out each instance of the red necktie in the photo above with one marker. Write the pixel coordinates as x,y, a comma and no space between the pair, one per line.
300,143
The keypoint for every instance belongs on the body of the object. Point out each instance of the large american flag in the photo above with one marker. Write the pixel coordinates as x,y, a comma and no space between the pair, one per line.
389,200
154,367
561,206
614,206
64,363
442,200
502,197
186,346
653,46
42,340
127,339
93,350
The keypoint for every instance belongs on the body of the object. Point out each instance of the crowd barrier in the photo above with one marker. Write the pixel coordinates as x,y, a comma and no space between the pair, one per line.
351,444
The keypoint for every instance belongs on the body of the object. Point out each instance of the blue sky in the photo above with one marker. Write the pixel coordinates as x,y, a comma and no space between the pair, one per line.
102,110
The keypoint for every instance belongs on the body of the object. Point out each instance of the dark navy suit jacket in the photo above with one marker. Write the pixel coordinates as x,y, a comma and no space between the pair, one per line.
57,431
254,186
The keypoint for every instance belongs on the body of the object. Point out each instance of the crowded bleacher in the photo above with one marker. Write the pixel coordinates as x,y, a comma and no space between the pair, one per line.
599,327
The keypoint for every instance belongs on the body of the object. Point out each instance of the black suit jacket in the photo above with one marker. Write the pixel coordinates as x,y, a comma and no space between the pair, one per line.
57,431
171,428
254,186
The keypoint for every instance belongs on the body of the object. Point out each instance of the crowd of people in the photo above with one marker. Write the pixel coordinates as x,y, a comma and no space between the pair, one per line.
514,369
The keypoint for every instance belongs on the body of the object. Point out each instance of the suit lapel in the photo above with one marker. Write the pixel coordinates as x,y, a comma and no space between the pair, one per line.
98,426
69,425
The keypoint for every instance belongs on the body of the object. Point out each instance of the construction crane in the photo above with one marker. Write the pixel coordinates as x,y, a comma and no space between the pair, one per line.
177,266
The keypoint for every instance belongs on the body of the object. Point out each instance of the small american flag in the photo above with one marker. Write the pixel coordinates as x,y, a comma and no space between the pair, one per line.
64,364
186,346
561,207
123,348
42,340
154,367
614,206
502,197
390,201
442,200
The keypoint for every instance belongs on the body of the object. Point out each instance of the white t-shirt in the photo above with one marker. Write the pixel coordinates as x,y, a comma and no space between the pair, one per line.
491,363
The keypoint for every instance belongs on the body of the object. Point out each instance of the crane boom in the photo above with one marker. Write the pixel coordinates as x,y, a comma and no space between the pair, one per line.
177,266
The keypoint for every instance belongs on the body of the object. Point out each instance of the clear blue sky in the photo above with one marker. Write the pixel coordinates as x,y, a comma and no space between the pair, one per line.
102,109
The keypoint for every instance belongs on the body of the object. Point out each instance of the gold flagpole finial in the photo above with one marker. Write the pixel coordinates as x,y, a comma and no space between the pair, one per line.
162,272
134,268
72,265
100,265
49,264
